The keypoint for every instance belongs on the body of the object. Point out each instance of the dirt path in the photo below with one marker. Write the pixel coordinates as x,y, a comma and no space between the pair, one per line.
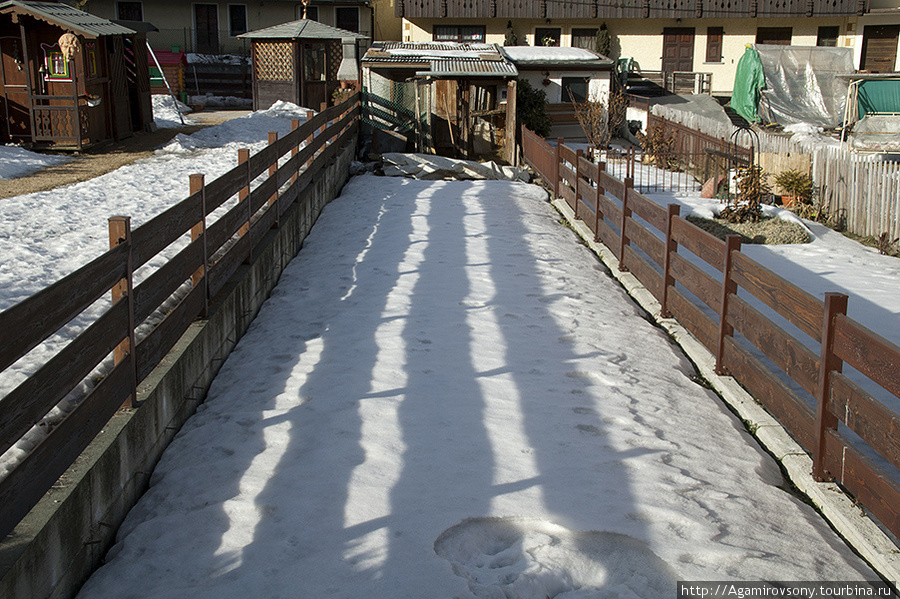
98,161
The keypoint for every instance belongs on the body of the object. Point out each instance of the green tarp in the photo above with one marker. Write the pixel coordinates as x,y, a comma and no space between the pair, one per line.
879,97
749,81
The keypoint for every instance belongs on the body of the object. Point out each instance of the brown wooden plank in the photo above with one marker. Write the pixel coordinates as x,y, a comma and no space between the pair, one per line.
224,187
610,210
612,185
708,248
587,193
879,493
29,402
153,348
794,414
226,227
568,154
651,212
29,322
646,274
797,306
567,175
699,324
24,486
156,234
227,264
260,195
260,162
652,245
867,417
568,195
794,358
588,168
868,352
159,286
707,289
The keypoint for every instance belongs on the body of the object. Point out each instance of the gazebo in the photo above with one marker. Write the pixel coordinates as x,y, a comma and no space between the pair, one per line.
69,78
302,62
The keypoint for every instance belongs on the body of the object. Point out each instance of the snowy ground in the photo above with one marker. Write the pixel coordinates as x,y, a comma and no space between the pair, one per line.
18,162
447,397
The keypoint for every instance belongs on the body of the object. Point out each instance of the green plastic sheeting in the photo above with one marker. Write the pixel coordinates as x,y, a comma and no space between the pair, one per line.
879,97
749,80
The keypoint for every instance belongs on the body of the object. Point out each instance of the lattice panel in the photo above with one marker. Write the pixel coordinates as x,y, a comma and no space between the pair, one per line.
274,61
337,55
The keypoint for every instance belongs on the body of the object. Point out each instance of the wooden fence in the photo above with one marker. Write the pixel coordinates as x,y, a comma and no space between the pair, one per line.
217,249
665,252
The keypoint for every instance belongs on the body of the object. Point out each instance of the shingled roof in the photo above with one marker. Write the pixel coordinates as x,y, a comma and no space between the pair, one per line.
302,29
65,17
441,59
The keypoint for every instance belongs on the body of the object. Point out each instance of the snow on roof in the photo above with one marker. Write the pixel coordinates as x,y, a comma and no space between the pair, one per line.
552,55
443,59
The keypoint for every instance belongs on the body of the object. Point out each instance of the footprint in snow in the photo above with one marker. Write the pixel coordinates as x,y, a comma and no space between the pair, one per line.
534,559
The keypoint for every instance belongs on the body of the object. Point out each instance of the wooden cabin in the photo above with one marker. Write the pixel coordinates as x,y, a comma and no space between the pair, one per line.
302,62
69,79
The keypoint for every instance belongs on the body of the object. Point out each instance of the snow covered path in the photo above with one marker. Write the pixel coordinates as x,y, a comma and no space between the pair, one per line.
447,397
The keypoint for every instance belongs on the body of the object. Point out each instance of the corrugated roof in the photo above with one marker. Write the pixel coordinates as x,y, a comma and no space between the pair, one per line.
555,56
442,59
66,17
302,29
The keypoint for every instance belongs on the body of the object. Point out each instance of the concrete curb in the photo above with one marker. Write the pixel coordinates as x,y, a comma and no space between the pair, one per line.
857,529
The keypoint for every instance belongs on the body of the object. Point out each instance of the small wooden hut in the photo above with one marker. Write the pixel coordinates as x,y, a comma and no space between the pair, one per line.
69,79
302,62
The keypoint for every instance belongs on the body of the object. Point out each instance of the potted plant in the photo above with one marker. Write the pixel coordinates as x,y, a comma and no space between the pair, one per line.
796,187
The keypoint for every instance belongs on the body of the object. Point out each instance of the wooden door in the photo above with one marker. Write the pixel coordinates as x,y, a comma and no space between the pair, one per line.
315,74
16,125
678,49
206,24
879,49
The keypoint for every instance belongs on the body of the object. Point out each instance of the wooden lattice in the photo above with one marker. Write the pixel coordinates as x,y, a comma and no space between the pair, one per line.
274,61
337,55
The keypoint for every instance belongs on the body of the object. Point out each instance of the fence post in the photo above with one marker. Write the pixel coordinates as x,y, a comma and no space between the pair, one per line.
598,215
732,244
273,171
835,304
671,247
198,231
578,155
295,148
244,196
556,163
626,213
120,233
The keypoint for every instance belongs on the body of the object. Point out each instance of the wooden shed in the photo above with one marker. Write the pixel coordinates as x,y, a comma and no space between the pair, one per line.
302,62
68,78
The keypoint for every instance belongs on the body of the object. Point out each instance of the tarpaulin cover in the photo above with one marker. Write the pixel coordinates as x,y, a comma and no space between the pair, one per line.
879,96
876,133
801,86
748,83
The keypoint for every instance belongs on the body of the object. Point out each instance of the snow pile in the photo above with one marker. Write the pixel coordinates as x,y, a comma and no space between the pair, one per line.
18,162
211,101
229,59
428,167
168,112
809,137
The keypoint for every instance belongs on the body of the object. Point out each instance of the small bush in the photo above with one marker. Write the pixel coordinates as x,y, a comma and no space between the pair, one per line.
531,108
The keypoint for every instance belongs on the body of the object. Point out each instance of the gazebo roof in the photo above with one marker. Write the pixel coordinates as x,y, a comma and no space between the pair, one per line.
302,29
66,17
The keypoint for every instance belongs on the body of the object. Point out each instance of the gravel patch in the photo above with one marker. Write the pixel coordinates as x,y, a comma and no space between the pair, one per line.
768,231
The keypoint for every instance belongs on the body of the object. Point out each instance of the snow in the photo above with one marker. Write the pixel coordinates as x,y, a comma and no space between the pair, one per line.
446,396
19,162
168,113
542,54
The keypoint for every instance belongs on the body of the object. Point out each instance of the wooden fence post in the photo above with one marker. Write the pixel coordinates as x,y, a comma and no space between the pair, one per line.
578,155
558,160
598,215
626,214
120,233
295,124
243,196
198,231
273,170
732,244
309,115
835,304
671,247
511,122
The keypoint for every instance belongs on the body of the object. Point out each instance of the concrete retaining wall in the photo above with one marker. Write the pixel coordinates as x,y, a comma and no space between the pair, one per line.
64,538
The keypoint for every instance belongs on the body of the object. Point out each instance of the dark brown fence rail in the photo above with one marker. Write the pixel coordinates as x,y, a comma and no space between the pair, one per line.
278,174
672,258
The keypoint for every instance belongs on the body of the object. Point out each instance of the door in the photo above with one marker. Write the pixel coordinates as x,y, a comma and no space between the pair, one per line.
678,49
315,74
879,49
206,26
16,124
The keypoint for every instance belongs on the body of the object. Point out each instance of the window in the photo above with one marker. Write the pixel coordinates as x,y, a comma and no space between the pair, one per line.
237,19
56,67
574,89
347,18
776,36
467,34
828,36
90,59
547,36
312,12
584,38
129,11
714,37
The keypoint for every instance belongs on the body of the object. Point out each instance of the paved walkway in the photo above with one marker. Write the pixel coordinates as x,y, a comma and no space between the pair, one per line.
448,396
